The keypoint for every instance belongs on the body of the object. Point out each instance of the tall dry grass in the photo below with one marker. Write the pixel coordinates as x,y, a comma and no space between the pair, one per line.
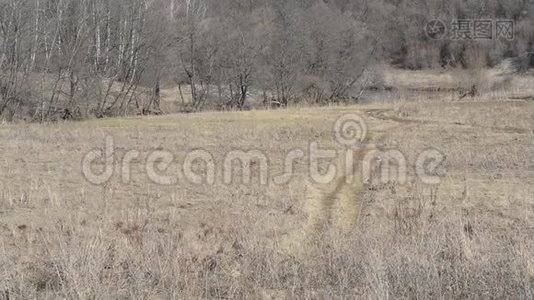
61,238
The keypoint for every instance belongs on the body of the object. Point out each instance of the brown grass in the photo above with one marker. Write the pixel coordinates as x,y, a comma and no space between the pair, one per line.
471,237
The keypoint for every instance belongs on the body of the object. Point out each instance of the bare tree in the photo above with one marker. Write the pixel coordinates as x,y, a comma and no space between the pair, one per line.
194,52
14,61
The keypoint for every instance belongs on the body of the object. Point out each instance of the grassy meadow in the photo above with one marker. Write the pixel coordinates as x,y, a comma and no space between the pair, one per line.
63,237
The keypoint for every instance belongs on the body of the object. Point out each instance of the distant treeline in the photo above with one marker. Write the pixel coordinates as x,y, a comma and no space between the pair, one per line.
96,58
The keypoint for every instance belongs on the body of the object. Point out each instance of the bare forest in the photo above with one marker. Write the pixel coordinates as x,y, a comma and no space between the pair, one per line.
63,59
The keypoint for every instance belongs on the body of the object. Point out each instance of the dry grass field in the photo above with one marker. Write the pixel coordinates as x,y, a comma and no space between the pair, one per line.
282,149
472,236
